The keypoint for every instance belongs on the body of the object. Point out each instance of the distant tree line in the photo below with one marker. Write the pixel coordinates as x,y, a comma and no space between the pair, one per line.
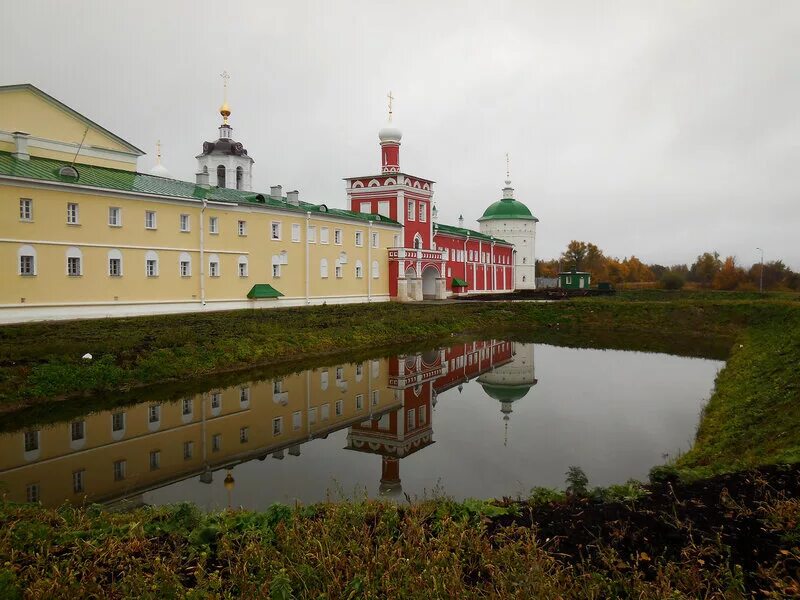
708,271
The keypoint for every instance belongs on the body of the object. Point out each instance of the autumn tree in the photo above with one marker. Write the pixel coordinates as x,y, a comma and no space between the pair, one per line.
575,255
729,276
705,267
637,271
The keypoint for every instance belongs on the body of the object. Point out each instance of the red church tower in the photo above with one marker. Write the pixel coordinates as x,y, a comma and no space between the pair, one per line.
416,267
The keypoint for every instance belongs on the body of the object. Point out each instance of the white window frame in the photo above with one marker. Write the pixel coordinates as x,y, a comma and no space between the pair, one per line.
73,213
323,268
244,435
78,481
423,212
324,235
311,232
120,468
359,401
375,239
114,216
297,420
26,252
338,408
375,270
359,270
359,238
277,426
241,228
411,210
216,442
185,265
243,267
155,460
337,237
151,256
295,232
213,266
114,255
31,440
26,210
213,225
338,271
150,220
276,271
74,254
188,450
185,224
275,230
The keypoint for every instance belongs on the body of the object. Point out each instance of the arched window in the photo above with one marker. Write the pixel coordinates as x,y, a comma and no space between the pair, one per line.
151,263
524,260
205,169
114,263
221,176
359,269
74,262
243,271
418,241
185,265
375,270
26,260
323,268
239,177
213,265
523,279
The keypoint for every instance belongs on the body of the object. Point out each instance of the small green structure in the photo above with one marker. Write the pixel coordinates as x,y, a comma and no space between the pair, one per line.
574,280
262,291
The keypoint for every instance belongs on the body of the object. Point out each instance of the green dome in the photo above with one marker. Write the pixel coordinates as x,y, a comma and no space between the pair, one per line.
506,393
507,208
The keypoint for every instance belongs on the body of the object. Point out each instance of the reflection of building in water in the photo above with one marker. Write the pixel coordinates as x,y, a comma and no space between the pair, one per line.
511,381
122,453
387,404
417,379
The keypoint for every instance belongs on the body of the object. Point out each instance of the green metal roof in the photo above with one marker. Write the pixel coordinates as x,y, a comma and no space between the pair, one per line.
462,232
45,169
458,283
507,208
263,290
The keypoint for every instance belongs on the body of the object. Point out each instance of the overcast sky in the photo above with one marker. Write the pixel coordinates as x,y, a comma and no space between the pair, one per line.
660,129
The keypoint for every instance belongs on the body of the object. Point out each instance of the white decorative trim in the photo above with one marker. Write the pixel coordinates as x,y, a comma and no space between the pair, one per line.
124,246
42,312
71,148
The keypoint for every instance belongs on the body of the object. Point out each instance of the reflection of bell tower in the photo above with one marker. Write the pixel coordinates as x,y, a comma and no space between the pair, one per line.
511,381
390,477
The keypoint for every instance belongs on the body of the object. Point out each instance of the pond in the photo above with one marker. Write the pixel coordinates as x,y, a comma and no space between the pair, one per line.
480,419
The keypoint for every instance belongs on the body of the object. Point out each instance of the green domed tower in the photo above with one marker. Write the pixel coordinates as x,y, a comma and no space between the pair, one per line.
510,220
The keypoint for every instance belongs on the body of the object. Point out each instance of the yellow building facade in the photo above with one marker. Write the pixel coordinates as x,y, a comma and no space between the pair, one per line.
122,453
104,240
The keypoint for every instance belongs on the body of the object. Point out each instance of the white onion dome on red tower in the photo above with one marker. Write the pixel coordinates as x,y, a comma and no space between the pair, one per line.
390,133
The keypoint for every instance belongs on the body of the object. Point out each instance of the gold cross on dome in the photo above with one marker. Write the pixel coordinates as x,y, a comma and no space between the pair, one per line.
390,104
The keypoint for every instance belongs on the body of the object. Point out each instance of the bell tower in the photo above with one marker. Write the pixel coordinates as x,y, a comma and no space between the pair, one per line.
225,162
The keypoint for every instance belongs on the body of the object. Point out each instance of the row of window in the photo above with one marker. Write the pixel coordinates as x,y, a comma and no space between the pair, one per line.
474,256
185,225
28,265
412,211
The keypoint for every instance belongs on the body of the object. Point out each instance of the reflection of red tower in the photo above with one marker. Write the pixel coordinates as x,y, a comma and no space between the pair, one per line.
390,476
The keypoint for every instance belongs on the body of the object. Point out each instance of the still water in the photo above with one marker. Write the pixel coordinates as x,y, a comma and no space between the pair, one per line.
483,419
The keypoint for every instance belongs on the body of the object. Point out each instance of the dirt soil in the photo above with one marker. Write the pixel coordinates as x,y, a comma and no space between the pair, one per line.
729,513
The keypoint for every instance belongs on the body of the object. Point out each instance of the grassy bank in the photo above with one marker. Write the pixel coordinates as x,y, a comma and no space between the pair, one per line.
728,537
41,361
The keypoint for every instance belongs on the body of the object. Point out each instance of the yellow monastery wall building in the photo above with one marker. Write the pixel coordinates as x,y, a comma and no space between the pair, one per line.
127,451
83,234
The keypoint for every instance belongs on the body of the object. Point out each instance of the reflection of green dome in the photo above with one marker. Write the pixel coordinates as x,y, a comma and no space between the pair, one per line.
507,208
506,393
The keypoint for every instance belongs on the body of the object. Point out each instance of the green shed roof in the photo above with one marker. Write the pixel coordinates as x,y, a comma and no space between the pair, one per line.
507,208
45,169
263,290
459,282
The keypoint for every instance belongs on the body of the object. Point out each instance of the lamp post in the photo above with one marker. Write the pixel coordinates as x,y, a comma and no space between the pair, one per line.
761,275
